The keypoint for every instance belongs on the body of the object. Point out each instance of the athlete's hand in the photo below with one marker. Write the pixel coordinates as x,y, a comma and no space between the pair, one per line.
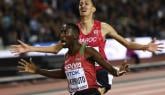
123,68
152,46
21,48
26,66
102,90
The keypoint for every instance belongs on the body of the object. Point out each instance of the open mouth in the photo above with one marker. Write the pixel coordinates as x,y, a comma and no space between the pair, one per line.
63,41
83,10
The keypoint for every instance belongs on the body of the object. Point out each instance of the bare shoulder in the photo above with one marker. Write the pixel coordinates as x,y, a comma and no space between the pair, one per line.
107,29
104,25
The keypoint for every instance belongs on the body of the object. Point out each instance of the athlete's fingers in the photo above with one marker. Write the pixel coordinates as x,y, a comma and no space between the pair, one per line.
24,61
159,50
21,68
14,51
127,68
161,47
21,63
124,65
21,42
30,60
13,46
124,68
22,71
160,44
122,72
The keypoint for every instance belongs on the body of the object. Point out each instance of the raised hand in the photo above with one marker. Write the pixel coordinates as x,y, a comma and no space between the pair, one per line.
123,68
152,46
26,66
21,48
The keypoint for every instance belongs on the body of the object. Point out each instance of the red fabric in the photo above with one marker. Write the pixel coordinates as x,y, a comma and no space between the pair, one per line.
94,39
77,62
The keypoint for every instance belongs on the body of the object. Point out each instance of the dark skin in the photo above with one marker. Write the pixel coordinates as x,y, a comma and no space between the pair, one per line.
71,39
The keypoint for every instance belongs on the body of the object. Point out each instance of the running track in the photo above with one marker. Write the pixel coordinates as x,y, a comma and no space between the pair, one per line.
151,82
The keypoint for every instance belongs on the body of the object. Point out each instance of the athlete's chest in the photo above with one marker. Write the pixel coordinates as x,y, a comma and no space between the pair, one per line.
73,62
75,74
91,37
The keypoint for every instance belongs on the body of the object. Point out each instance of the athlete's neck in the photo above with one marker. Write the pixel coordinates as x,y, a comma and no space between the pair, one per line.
86,24
74,48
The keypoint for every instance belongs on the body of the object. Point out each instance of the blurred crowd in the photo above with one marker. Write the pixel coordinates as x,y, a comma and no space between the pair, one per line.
38,20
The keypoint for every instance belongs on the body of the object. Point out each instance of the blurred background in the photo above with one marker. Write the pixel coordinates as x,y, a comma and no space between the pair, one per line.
36,22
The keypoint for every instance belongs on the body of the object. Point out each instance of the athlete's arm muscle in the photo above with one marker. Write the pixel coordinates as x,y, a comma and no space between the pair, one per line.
94,56
52,73
30,67
49,49
24,48
108,30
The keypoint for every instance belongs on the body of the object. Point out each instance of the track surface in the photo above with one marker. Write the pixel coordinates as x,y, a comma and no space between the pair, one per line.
149,82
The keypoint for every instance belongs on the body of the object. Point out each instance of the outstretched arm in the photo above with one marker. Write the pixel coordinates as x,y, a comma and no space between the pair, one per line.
92,55
24,48
30,67
108,30
52,73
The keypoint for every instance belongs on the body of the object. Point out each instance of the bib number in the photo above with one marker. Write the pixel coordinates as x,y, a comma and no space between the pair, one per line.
77,80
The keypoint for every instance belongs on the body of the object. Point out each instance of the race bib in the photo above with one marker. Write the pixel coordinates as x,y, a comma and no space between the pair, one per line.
77,80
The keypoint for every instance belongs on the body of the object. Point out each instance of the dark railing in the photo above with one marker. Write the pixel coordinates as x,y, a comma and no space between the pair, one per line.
8,66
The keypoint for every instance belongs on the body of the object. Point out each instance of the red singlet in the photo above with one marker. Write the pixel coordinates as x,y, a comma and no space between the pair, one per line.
80,73
94,38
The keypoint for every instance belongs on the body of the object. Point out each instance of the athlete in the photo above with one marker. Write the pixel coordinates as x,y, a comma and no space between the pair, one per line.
79,65
93,33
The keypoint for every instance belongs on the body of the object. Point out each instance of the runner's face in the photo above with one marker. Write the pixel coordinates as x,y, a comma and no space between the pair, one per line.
67,35
86,7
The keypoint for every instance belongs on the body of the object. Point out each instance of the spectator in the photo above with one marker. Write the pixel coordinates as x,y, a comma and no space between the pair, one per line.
136,17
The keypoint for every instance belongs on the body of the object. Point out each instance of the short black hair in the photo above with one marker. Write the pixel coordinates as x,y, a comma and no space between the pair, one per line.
72,26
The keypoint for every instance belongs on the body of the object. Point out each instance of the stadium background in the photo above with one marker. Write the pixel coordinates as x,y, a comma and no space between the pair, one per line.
37,21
